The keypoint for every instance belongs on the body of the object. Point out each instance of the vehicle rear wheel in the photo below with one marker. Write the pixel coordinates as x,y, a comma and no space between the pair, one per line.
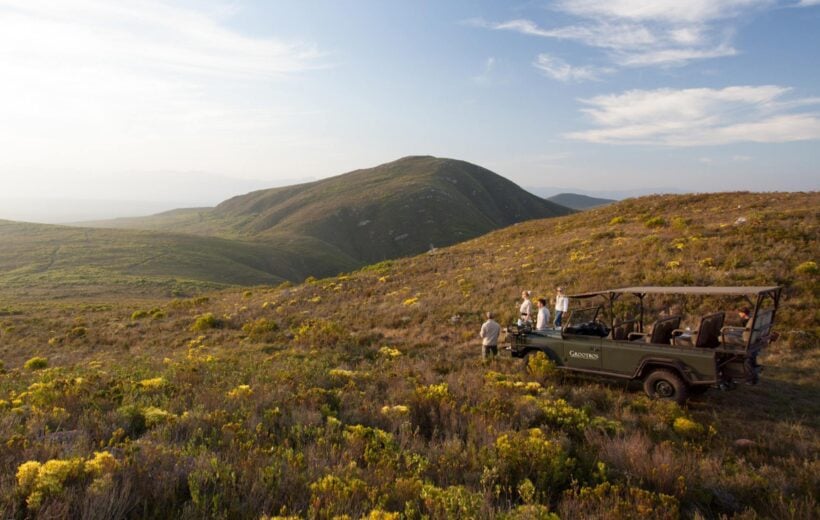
664,384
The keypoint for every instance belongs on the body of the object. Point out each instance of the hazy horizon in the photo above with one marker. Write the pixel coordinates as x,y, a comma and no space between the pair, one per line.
177,103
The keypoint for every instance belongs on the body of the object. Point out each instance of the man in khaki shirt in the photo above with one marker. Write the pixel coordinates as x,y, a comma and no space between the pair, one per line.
489,336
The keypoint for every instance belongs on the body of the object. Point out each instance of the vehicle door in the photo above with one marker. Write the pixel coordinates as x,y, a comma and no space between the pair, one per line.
582,349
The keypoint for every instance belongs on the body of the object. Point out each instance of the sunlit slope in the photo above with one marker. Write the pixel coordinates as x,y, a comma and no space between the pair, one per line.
365,392
715,239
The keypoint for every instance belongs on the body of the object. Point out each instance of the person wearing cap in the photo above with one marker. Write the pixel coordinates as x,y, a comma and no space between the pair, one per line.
561,306
490,331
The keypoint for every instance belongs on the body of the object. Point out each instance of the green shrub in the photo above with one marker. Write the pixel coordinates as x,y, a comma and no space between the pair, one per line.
680,222
333,496
654,222
808,268
451,502
206,321
36,363
138,315
261,330
531,455
78,332
615,501
617,220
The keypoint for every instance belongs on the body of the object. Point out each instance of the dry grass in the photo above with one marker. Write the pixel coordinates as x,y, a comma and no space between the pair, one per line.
294,406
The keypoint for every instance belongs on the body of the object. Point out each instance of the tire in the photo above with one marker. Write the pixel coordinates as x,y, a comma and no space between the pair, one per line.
665,384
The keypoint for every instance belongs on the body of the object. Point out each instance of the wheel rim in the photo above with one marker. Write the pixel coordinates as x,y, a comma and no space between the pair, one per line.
664,389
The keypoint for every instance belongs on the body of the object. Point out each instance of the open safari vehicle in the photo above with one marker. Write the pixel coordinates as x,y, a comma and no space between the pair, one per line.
676,353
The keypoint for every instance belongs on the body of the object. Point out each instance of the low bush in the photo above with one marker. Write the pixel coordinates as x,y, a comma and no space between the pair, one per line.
36,363
206,321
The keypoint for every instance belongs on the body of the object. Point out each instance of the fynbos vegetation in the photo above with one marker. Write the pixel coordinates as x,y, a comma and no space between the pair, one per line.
364,396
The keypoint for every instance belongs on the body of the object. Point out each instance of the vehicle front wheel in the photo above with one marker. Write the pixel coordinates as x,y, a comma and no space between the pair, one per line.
664,384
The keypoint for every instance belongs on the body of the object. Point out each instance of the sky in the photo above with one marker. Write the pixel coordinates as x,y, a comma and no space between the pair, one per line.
158,104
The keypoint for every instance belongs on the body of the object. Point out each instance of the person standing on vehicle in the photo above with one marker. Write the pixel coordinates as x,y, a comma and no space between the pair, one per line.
526,309
543,320
490,331
561,306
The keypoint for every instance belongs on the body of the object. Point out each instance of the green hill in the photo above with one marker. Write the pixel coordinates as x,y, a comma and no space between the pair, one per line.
316,229
395,209
578,202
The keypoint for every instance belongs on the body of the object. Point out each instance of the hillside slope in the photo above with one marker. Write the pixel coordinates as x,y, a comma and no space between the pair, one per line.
45,260
578,202
392,210
363,394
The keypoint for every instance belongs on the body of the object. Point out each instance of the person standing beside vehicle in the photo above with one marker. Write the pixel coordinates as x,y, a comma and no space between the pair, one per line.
561,306
526,310
490,331
543,320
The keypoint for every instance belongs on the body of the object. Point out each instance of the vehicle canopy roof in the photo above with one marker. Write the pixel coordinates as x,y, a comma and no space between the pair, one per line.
710,290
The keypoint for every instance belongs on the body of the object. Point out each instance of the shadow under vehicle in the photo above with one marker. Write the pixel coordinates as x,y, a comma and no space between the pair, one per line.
671,361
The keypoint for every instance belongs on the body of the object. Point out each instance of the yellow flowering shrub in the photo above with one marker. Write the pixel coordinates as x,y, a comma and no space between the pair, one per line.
395,410
39,481
240,392
154,416
686,427
389,352
562,415
101,463
531,455
154,383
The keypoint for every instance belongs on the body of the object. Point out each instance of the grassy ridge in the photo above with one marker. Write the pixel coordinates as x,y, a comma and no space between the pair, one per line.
315,229
362,394
40,260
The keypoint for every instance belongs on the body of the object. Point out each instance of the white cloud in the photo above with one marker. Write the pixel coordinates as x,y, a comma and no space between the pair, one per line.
637,33
102,85
557,68
808,3
672,11
698,116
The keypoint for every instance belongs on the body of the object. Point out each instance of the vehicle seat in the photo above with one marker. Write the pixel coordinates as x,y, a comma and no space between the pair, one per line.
661,331
707,335
622,329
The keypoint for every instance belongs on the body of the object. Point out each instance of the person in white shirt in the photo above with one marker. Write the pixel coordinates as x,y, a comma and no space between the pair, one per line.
561,306
543,320
489,336
526,310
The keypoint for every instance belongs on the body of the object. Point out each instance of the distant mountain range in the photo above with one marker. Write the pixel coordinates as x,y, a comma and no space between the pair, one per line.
549,191
578,202
313,229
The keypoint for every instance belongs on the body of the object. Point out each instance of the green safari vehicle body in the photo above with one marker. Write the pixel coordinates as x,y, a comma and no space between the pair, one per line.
672,362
